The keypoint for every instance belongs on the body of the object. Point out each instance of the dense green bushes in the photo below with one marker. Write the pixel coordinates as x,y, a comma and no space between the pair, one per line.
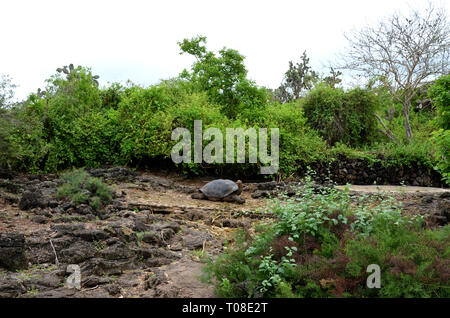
76,123
25,145
64,127
440,94
77,128
298,143
321,244
340,116
147,118
7,152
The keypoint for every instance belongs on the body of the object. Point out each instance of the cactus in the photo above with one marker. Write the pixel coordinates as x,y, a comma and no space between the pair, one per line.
73,72
41,93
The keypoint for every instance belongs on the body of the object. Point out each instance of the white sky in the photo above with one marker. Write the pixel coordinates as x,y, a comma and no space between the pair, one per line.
137,40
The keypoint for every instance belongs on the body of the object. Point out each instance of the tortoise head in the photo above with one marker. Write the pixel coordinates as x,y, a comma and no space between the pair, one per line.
240,185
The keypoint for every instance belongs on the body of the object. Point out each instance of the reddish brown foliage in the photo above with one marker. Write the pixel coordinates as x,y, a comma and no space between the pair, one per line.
340,261
401,265
279,250
342,285
340,229
441,268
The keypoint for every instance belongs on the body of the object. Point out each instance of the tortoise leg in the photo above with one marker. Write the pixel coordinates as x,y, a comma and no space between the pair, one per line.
199,196
234,198
238,199
228,198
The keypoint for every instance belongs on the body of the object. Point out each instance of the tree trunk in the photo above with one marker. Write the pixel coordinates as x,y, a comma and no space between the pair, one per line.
386,130
407,124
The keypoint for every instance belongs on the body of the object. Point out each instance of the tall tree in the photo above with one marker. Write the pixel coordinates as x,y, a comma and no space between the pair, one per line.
333,79
298,78
403,51
222,76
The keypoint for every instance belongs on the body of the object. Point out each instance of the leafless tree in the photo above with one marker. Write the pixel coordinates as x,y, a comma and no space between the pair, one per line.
402,51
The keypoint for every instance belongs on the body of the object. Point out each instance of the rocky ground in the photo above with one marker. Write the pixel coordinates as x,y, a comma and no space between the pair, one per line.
148,242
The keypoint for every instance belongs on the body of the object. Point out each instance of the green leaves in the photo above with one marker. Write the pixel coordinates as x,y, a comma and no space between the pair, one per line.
316,214
80,187
193,46
442,139
439,92
223,77
342,116
274,271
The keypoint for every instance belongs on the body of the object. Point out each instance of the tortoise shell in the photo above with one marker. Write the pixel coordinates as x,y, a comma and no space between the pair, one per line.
219,188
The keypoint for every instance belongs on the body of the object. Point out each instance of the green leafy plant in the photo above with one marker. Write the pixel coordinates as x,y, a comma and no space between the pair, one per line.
342,116
80,187
439,92
223,77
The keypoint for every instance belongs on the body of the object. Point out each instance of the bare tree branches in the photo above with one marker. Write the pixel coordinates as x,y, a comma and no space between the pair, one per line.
386,131
402,52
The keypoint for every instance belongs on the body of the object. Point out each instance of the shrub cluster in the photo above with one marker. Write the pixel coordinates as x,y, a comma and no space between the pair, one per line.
440,94
80,188
77,124
342,116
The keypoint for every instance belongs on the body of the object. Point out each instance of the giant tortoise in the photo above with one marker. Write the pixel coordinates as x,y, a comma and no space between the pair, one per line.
221,190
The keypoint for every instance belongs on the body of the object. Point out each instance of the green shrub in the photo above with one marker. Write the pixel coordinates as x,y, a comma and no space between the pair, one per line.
442,139
412,262
65,126
111,96
405,155
340,116
24,136
6,153
146,129
80,132
298,143
80,187
440,94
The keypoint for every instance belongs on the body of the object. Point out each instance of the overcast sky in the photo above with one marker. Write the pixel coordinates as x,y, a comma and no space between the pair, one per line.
137,40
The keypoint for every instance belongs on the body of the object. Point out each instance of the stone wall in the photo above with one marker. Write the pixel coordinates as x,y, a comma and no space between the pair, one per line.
362,172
